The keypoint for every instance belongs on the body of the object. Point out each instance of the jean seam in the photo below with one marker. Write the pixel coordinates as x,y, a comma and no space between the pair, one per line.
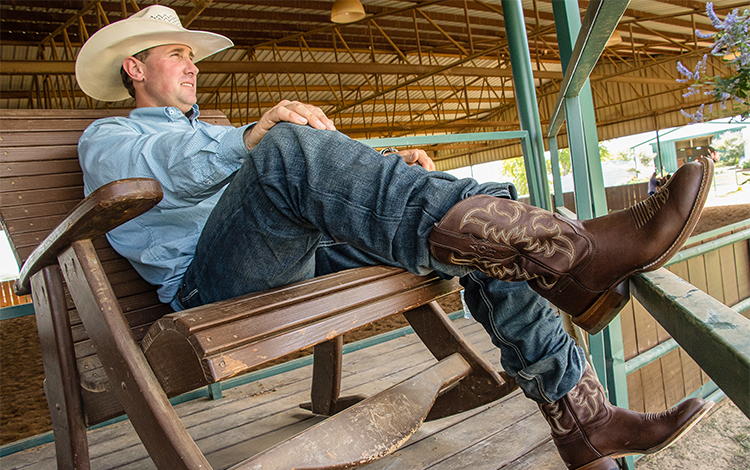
536,379
492,323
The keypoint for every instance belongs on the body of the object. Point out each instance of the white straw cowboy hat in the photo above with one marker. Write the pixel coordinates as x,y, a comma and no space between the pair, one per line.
100,58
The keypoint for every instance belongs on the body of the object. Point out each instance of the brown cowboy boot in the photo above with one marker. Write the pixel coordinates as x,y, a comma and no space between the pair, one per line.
588,431
580,266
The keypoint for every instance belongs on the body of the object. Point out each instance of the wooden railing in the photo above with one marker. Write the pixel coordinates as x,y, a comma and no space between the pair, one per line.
8,298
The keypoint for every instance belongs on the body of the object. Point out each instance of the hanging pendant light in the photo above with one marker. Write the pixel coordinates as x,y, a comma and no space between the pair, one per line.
347,11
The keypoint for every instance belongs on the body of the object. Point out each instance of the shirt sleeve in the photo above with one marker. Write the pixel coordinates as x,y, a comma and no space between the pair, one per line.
190,163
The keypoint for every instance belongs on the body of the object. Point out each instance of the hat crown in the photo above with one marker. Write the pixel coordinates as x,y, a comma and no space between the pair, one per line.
159,13
101,57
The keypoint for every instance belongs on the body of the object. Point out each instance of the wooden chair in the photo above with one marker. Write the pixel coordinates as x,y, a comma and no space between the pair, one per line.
109,346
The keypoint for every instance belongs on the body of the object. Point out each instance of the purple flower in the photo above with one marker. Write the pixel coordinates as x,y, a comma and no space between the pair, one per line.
712,16
732,37
684,71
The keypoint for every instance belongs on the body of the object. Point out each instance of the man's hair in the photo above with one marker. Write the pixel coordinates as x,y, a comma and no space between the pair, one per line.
126,80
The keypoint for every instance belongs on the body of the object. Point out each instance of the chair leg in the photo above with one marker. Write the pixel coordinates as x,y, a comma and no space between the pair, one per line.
134,383
482,386
61,383
326,381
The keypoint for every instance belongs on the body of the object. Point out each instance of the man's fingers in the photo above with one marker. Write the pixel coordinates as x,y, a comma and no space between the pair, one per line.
297,113
287,111
312,115
417,157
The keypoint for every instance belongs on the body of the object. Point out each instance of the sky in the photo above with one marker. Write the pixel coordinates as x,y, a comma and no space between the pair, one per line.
615,173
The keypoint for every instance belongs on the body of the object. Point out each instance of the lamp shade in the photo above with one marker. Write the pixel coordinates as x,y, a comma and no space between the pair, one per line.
347,11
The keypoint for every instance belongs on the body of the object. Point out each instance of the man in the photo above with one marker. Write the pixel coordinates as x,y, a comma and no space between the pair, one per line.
653,184
288,198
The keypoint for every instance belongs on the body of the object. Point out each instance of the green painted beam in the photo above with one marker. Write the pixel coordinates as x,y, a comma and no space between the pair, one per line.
526,102
714,335
590,196
598,24
15,311
704,248
650,356
443,139
718,232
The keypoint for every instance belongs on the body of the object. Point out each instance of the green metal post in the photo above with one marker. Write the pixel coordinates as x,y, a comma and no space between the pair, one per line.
591,200
606,348
528,108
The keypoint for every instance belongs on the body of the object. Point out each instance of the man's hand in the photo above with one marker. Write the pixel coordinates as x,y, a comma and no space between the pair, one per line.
417,157
287,111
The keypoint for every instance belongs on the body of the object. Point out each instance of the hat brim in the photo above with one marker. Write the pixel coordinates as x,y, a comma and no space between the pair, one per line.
100,58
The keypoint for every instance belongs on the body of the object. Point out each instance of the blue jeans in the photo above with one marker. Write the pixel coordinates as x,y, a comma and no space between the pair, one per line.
307,202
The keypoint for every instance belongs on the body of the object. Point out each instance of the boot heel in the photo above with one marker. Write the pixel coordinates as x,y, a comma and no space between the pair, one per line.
604,463
604,309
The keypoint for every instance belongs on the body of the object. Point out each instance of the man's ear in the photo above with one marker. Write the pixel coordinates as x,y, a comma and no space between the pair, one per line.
133,67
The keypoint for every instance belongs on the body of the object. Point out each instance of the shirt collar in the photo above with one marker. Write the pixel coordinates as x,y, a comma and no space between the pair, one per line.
168,113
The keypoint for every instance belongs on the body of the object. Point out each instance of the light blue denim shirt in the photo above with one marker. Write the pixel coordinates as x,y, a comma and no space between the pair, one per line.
191,159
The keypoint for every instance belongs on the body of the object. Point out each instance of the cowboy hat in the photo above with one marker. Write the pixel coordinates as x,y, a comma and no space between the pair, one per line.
100,58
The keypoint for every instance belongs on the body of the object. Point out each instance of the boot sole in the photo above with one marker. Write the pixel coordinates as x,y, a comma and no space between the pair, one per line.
596,317
697,416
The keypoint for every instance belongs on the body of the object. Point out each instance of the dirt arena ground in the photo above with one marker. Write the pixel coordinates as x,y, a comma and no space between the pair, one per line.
23,408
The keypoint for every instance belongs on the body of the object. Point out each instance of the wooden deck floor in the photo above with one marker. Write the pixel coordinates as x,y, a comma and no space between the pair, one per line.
509,434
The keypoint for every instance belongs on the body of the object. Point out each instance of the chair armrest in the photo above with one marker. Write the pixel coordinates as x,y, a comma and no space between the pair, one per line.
106,208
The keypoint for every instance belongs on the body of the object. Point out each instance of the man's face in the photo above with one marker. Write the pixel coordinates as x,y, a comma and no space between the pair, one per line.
169,78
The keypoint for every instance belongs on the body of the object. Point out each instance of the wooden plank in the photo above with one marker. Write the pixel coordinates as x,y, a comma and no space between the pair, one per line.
36,168
691,373
697,273
500,449
729,275
273,319
22,183
697,277
645,327
629,341
34,211
654,399
197,319
674,383
63,124
36,139
742,262
41,196
680,270
635,392
33,225
37,154
365,371
41,115
714,282
544,457
630,349
239,359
